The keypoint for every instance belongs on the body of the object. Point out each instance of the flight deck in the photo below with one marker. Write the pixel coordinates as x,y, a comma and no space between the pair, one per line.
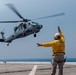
33,68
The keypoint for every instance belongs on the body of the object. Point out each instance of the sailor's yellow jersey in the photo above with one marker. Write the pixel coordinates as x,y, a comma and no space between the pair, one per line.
57,45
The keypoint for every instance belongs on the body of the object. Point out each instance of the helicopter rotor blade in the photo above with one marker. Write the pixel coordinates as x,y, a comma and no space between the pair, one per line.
12,7
11,21
55,15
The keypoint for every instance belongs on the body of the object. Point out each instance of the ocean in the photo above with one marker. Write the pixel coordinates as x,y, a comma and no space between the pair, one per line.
35,60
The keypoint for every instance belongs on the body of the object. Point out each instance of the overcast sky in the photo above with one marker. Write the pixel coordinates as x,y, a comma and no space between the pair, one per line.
26,47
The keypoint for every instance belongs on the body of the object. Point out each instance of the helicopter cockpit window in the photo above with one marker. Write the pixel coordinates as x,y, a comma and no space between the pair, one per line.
15,29
34,23
29,23
20,27
24,26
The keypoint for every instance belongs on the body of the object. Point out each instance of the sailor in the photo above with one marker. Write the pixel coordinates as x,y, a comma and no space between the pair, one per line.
58,51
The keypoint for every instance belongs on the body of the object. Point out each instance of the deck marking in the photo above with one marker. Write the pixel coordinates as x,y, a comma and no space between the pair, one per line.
33,70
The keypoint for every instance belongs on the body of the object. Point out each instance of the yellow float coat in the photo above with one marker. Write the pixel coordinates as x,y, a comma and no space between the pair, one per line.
58,46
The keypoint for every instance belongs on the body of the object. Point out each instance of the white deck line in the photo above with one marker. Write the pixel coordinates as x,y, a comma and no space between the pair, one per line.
33,70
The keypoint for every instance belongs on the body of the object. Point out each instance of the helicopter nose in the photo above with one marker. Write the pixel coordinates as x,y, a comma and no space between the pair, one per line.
41,26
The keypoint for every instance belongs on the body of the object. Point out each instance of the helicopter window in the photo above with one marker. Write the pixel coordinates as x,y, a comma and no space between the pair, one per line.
24,26
29,23
34,23
15,29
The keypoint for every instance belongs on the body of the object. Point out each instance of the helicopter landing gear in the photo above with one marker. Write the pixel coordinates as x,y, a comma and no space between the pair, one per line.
35,35
8,44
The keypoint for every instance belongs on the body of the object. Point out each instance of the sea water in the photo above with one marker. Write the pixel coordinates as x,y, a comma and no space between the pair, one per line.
35,60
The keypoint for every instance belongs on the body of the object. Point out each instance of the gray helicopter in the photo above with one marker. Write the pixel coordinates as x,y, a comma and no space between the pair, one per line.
25,28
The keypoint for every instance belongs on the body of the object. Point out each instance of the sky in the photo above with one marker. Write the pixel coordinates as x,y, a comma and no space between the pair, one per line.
26,48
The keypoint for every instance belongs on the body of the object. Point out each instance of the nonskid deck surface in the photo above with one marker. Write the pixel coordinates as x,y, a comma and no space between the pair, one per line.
33,68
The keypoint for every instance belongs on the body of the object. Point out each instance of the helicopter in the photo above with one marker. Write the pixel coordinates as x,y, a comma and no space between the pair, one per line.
25,28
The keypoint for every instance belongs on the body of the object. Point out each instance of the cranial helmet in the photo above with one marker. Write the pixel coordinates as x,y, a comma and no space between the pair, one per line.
57,36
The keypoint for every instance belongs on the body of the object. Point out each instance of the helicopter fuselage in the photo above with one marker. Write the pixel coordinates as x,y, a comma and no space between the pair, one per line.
23,30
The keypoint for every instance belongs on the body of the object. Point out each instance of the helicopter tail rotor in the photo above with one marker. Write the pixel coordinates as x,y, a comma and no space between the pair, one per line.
2,32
